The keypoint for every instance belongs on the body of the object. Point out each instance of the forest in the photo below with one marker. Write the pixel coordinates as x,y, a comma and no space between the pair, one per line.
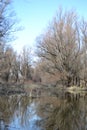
60,54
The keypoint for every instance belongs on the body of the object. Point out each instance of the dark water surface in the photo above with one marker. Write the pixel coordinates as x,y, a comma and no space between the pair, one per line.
64,112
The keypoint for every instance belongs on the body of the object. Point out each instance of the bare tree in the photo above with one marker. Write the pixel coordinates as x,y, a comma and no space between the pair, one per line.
84,50
25,61
7,27
59,47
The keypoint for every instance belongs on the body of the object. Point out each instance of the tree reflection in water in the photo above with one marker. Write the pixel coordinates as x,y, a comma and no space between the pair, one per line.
13,107
50,113
71,114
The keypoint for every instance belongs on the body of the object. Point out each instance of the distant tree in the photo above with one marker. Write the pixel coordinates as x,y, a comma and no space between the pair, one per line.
6,64
9,66
26,61
37,72
15,67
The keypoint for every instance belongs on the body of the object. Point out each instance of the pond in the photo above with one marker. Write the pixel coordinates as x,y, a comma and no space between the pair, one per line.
64,112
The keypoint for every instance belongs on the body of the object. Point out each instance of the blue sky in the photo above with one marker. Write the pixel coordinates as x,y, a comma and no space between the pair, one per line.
34,16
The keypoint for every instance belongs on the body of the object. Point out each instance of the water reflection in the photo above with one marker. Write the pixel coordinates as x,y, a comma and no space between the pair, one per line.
17,112
66,112
70,114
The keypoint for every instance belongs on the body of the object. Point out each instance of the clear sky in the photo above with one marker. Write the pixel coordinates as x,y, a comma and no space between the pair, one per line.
35,15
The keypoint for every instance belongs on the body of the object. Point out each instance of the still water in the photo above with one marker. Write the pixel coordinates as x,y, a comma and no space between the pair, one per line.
64,112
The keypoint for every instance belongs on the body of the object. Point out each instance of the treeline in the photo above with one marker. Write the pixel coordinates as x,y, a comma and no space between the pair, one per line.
17,68
62,49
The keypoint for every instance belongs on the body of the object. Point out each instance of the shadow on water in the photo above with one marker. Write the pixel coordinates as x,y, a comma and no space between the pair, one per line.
67,111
